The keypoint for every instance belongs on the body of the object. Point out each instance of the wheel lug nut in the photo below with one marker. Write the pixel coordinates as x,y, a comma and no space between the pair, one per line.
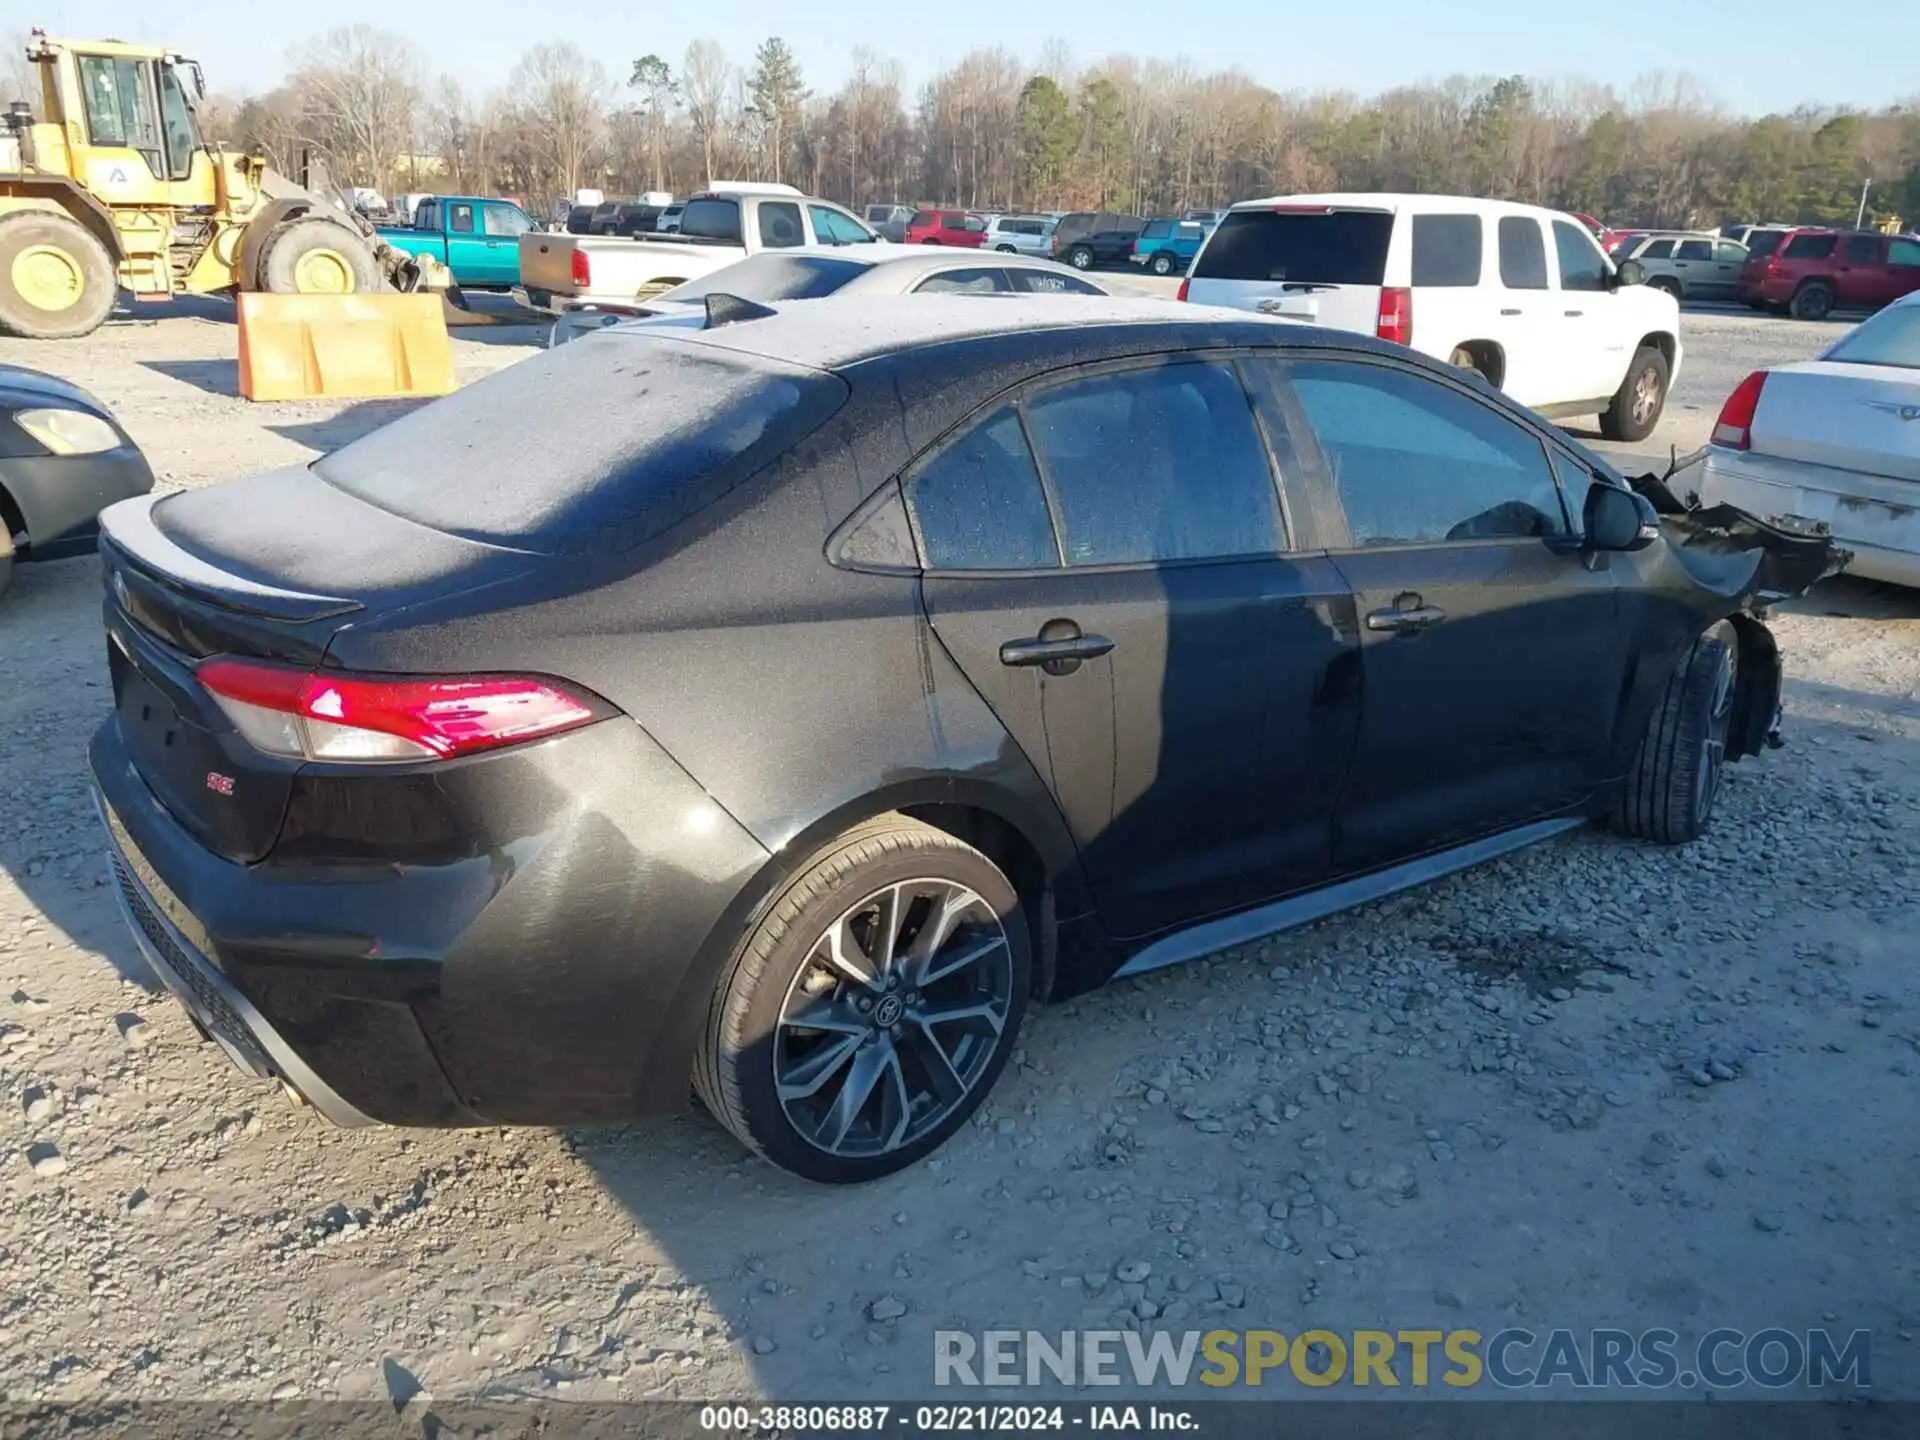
865,1004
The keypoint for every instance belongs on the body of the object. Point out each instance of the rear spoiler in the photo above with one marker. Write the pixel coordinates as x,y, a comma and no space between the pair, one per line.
128,534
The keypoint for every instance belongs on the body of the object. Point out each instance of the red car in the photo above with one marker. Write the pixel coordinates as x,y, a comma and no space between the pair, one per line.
1618,240
947,227
1596,229
1815,271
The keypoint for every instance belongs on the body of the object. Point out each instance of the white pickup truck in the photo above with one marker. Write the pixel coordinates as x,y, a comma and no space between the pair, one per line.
720,225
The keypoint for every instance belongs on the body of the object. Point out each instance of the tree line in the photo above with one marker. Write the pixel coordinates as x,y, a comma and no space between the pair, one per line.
1123,133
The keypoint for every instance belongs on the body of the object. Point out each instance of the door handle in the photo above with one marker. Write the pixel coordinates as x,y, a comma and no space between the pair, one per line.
1058,649
1575,314
1405,622
1509,312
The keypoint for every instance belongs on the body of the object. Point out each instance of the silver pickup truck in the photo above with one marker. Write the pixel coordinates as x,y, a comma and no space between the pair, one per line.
719,226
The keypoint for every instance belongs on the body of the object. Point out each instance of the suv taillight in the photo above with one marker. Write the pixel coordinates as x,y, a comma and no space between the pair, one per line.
1734,428
321,715
1396,315
582,269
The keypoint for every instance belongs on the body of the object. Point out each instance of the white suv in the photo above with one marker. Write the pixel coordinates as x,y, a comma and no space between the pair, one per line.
1020,234
1520,294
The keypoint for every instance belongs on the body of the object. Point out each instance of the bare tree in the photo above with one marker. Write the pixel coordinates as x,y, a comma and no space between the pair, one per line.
19,77
360,92
564,94
706,77
659,93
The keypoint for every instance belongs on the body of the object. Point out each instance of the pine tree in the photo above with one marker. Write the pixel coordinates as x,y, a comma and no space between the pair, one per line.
778,95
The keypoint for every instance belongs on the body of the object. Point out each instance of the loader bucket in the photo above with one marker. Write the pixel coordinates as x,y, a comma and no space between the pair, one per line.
303,347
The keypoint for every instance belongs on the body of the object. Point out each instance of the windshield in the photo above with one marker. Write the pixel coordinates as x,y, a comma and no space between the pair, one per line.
1890,338
1332,247
766,278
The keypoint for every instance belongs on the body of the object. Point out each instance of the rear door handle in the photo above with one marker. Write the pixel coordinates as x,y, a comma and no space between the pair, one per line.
1575,314
1509,312
1405,622
1056,654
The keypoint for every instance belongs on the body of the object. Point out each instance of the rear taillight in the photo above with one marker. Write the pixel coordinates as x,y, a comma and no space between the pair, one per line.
1772,266
1185,283
1396,315
582,269
1734,428
317,715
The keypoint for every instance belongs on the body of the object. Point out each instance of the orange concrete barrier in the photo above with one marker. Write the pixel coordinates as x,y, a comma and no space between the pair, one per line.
303,347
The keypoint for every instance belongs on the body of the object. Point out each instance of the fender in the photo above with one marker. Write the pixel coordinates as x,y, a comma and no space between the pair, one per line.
67,196
253,240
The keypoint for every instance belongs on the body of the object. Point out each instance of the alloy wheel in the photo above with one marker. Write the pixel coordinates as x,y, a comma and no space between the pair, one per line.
1713,745
893,1018
1646,395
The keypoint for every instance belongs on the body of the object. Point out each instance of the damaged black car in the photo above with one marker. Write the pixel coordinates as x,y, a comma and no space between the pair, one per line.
777,709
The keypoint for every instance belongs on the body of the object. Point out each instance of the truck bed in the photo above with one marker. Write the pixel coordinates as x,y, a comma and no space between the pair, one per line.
620,268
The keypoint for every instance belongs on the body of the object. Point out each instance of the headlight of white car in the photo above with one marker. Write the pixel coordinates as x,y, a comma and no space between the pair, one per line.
69,432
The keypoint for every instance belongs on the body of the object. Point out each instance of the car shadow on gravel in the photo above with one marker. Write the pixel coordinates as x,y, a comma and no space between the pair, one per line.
325,436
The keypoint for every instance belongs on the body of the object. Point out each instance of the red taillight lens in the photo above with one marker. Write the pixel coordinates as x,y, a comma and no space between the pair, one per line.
1734,428
1185,283
582,269
301,714
1396,315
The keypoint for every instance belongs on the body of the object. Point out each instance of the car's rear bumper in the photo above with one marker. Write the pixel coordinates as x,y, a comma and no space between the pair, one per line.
517,939
1873,516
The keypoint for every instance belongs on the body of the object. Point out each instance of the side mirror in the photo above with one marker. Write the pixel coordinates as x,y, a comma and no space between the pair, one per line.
1619,519
1630,272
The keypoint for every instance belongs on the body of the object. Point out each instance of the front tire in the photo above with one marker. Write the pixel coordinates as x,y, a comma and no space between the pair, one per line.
56,281
870,1011
315,256
1640,400
1675,777
1668,287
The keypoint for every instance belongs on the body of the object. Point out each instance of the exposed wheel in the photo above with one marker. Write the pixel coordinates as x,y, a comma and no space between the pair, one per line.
1005,249
868,1014
1163,264
315,256
6,557
930,241
1667,284
56,281
1642,396
1812,301
1080,257
1670,789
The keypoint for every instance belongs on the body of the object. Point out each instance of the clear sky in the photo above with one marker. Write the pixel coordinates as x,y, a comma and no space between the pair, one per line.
1743,52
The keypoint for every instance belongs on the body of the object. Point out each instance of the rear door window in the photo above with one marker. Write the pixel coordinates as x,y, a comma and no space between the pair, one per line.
1523,254
1694,250
1764,242
1045,282
1582,266
1655,250
779,223
978,280
1158,464
1862,250
1446,250
1338,247
1809,247
977,503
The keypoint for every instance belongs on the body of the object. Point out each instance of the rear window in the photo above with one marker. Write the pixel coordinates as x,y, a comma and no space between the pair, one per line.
712,220
1446,250
1764,242
766,278
1340,247
1809,247
1890,338
594,447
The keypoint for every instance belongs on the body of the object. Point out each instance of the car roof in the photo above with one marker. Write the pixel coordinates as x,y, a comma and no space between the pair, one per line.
843,330
1406,204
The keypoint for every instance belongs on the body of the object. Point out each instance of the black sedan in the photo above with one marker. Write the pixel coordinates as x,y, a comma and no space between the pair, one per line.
784,705
62,458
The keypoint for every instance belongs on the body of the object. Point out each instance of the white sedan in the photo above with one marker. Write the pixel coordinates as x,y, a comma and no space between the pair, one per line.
812,273
1833,441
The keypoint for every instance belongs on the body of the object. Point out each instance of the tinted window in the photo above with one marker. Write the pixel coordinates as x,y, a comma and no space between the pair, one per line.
1764,242
978,505
1523,254
1903,252
1655,250
767,278
1862,249
1157,230
779,223
1446,250
1582,267
1890,338
962,282
505,220
1344,247
1159,464
1045,282
460,219
613,452
1809,247
923,218
1416,462
427,217
1694,250
712,219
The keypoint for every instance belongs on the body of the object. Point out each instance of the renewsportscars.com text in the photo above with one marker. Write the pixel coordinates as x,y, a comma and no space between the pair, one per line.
1514,1358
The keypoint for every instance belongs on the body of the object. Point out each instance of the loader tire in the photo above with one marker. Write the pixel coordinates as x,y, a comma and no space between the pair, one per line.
315,256
56,281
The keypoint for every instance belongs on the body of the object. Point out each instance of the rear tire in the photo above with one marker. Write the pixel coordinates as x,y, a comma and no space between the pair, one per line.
1668,286
1080,257
6,555
854,1098
1670,789
1812,301
1163,264
56,281
1641,399
316,256
1005,250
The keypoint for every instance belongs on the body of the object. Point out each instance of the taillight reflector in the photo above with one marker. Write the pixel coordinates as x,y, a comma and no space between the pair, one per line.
320,715
1396,315
1181,293
1734,428
581,269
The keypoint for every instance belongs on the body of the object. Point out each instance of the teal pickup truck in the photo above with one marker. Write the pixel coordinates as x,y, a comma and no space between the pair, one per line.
476,238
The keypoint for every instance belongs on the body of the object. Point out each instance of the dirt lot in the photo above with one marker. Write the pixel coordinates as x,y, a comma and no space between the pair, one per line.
1596,1084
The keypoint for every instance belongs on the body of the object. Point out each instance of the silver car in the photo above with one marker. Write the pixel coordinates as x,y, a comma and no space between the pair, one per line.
1689,267
813,272
1833,442
1020,234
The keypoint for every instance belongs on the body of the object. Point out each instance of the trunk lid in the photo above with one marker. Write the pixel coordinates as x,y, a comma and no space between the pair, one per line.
1318,263
1864,418
546,262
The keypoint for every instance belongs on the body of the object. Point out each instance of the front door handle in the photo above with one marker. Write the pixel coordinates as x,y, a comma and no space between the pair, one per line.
1059,648
1405,622
1575,314
1509,312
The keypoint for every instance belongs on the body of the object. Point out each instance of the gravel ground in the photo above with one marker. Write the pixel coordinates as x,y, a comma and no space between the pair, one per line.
1598,1083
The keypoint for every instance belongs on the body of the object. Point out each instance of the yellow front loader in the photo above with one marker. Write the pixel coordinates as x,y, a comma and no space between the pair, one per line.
110,187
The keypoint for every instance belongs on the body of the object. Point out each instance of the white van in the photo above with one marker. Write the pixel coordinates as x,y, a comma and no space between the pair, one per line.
1520,294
